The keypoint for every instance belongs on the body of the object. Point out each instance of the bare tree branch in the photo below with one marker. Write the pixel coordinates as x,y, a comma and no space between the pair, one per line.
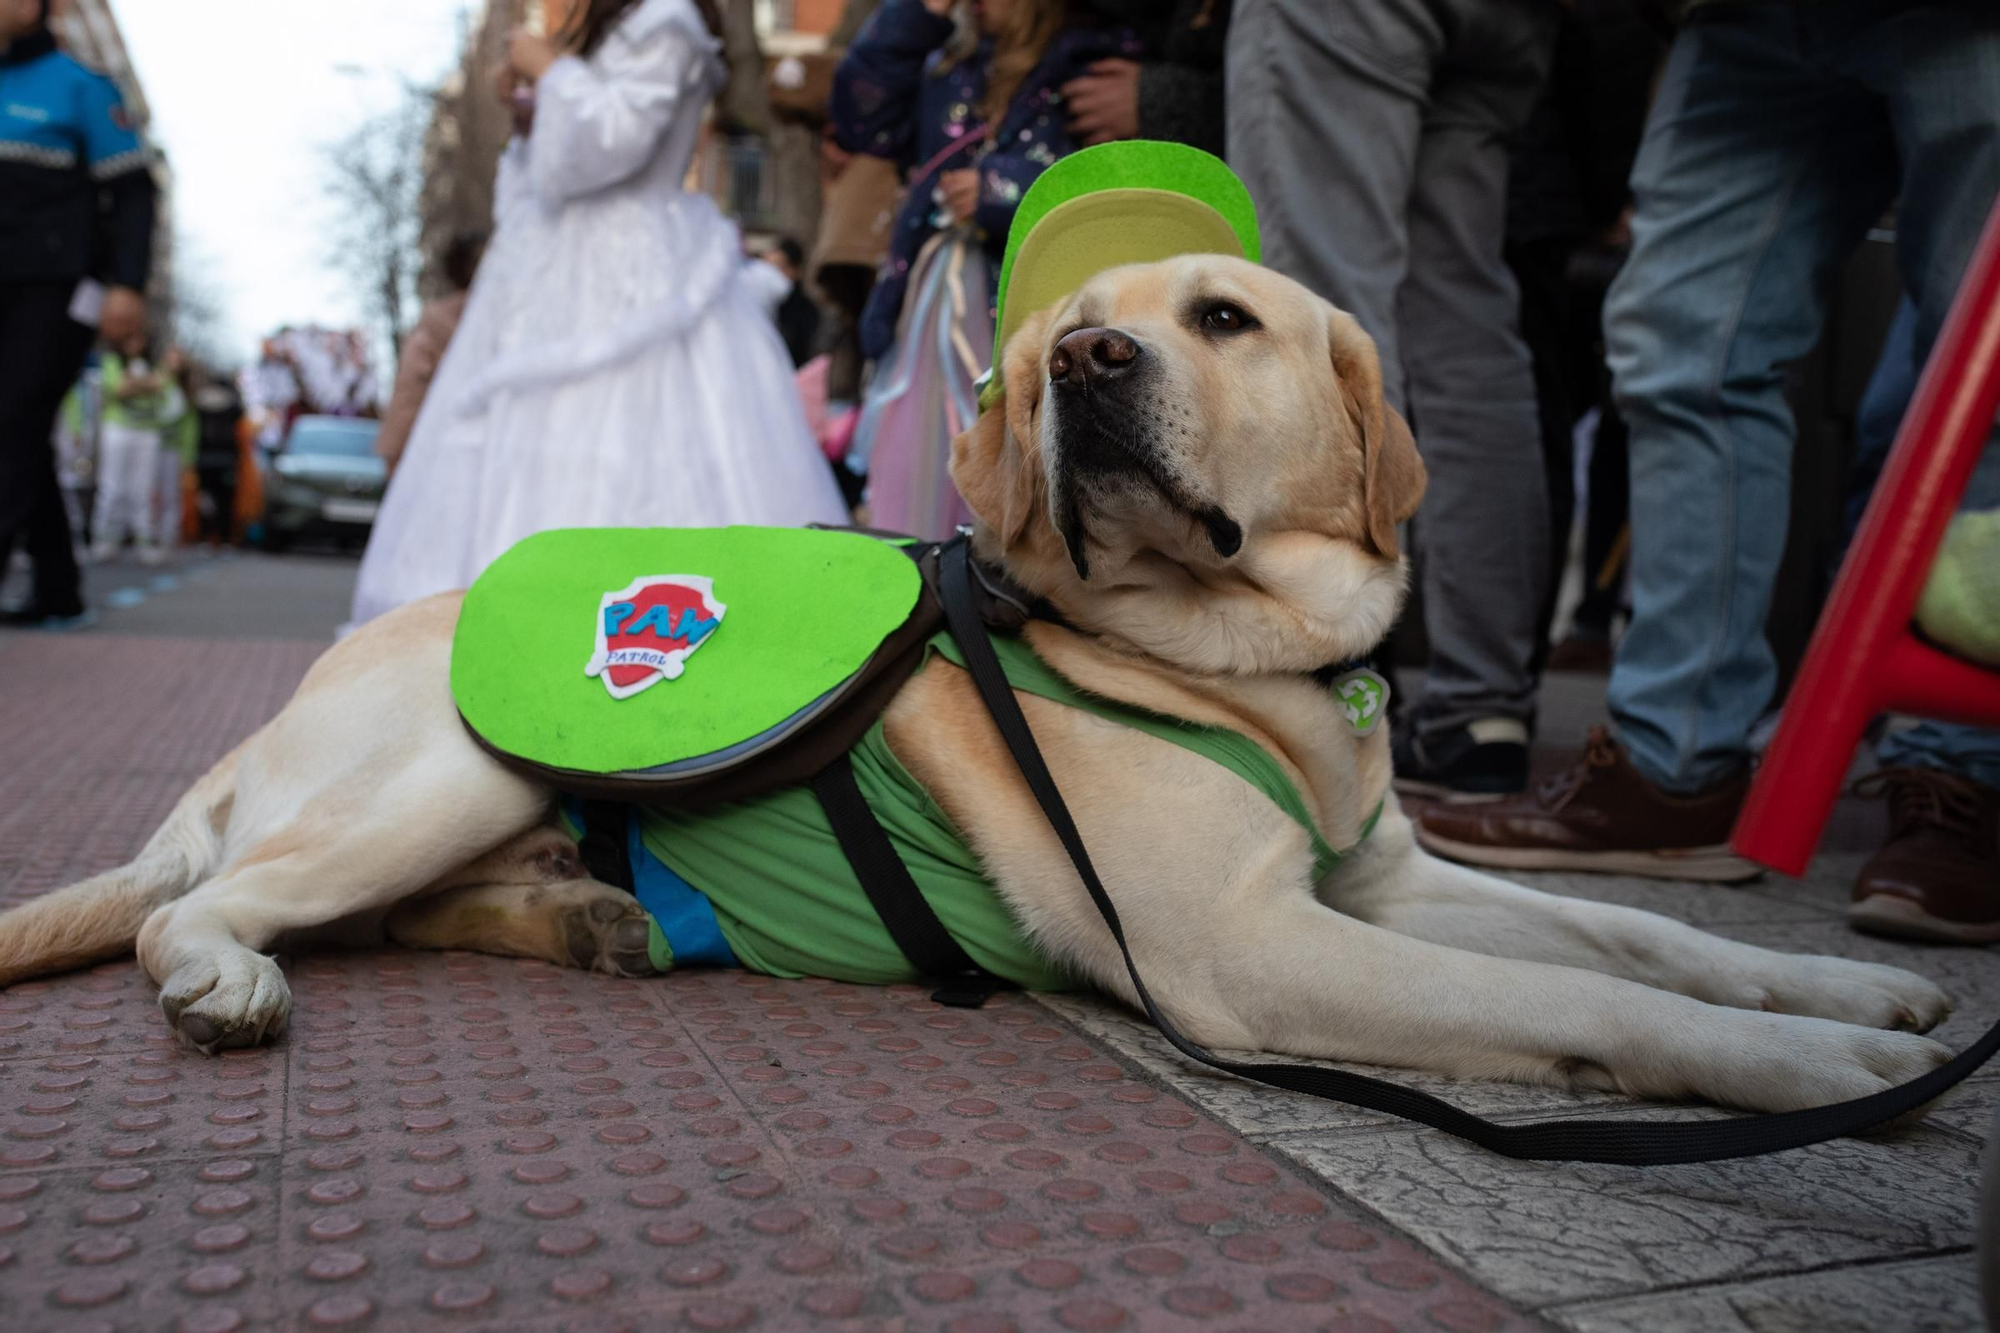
374,178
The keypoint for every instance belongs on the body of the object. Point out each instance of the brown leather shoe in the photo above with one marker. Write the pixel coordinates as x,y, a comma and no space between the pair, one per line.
1938,875
1598,814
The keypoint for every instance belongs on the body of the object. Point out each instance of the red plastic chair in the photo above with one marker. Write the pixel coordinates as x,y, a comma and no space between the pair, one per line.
1863,659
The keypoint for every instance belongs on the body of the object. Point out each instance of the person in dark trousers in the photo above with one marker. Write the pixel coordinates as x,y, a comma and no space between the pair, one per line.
219,409
1172,92
1372,135
76,236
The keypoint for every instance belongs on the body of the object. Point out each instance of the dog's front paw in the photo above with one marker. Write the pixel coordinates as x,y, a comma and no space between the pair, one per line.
232,998
1868,994
1781,1062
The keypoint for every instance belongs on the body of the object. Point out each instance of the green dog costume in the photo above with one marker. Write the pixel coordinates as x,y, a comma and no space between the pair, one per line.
637,659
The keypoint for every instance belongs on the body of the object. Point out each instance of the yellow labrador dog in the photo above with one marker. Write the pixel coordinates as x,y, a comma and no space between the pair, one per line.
1193,462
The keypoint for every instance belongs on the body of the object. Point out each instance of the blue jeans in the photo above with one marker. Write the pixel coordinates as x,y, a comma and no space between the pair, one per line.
1780,134
1891,385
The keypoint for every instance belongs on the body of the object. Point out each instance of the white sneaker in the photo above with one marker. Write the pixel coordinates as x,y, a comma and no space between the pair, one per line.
152,555
103,555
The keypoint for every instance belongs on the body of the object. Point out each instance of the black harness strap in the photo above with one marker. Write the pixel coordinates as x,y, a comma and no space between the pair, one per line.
603,847
902,906
1625,1144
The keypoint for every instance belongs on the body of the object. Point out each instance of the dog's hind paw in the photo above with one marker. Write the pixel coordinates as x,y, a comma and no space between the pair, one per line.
610,934
234,998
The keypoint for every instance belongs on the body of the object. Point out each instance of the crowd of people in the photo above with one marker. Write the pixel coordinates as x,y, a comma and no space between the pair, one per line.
1604,227
1588,237
153,452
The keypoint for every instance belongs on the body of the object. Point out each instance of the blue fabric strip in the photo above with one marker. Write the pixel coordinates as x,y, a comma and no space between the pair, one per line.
683,914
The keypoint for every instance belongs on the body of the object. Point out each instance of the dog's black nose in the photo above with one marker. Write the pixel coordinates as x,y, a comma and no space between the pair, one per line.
1092,357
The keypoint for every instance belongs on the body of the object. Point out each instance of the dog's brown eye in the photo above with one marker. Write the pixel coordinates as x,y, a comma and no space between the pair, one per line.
1225,318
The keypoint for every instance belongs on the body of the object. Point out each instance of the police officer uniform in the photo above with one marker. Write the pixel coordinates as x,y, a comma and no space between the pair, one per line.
76,204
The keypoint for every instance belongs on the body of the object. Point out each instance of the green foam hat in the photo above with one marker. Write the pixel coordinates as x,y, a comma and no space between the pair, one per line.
1133,202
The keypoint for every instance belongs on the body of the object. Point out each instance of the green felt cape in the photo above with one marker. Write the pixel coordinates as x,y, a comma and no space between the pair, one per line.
621,650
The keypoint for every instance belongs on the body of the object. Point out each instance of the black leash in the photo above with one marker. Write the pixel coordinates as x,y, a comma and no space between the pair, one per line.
1623,1143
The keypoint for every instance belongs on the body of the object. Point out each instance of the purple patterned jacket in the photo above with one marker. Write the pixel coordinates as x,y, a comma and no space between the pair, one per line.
891,99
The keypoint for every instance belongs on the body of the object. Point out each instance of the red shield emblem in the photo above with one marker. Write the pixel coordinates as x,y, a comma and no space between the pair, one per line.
646,630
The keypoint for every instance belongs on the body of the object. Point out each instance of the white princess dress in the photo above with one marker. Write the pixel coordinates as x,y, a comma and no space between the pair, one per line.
612,367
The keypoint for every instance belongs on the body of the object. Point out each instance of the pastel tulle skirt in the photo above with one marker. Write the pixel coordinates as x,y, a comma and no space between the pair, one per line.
923,394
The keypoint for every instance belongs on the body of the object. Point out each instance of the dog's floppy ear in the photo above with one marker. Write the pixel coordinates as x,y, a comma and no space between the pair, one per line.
997,462
1392,471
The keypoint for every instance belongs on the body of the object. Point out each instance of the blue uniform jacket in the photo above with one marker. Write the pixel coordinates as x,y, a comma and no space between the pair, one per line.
76,198
892,99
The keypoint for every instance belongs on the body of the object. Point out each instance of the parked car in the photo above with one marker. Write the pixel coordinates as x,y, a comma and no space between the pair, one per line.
323,481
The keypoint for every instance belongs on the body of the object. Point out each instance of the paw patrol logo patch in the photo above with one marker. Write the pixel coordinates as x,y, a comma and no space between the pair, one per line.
647,630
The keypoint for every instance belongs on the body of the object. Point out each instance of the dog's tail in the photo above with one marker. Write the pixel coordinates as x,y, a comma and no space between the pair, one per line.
100,918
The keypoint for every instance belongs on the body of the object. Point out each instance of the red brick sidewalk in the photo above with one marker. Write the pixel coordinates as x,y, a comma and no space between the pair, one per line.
455,1141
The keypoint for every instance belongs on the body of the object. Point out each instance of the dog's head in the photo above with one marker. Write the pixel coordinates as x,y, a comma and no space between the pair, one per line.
1195,456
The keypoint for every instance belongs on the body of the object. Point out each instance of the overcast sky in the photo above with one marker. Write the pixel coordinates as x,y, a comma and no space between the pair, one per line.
243,93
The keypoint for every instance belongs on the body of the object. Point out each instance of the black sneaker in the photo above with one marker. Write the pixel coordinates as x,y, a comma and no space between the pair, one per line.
1481,761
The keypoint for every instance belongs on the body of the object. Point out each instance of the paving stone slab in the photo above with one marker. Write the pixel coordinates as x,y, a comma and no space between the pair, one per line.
112,1009
1269,1282
133,1246
97,752
123,1107
1828,884
1927,1296
1548,1233
1969,1110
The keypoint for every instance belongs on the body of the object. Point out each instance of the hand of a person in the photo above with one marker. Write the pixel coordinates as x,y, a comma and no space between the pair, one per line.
123,314
530,55
941,8
961,192
1104,102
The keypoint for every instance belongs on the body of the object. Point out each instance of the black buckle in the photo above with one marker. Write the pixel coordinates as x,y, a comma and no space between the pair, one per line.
965,990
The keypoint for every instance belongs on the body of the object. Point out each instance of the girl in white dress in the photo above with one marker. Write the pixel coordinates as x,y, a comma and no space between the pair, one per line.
612,367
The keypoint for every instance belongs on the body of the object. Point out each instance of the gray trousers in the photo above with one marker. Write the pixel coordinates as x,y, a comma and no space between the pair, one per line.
1372,135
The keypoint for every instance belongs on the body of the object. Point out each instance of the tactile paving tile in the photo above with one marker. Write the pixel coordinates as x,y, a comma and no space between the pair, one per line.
450,1141
457,1141
100,734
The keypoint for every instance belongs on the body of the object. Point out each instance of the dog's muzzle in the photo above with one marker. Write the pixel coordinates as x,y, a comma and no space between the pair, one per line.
1103,386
